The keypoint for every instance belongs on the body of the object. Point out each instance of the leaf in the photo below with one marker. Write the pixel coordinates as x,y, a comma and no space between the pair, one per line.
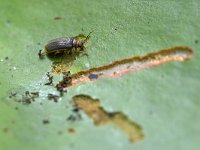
163,100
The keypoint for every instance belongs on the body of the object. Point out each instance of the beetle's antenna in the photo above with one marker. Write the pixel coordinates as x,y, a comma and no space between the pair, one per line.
87,37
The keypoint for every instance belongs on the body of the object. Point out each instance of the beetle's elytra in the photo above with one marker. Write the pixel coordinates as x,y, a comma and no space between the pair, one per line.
65,45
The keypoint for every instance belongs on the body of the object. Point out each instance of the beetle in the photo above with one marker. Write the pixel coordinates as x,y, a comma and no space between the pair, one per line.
67,45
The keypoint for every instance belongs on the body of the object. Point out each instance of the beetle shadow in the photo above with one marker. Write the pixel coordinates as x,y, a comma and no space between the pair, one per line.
61,57
61,62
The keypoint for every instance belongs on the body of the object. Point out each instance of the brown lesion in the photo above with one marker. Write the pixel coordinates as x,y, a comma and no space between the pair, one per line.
65,82
133,63
100,116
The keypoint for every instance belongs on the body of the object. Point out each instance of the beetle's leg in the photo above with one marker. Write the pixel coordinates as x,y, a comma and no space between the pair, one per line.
83,52
75,50
70,52
57,52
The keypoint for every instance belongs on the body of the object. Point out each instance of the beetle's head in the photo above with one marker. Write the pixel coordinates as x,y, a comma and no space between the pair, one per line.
82,39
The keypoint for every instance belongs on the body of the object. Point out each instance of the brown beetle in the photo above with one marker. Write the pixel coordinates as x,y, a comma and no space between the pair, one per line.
65,45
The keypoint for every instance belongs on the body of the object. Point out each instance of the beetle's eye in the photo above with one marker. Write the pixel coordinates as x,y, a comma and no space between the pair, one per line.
80,44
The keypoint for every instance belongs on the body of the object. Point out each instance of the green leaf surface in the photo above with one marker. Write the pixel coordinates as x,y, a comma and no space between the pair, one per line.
163,100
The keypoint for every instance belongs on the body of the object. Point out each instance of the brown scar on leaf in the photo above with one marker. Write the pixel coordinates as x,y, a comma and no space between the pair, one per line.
134,63
100,116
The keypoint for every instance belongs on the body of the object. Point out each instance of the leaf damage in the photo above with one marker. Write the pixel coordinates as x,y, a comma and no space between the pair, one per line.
100,116
131,64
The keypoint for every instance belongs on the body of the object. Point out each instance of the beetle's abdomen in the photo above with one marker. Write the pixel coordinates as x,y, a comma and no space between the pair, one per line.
59,44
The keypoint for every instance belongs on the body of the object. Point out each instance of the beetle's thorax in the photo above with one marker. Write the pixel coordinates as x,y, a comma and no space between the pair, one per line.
77,43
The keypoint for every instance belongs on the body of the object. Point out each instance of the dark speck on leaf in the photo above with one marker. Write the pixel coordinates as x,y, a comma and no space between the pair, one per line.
28,97
12,94
45,121
71,130
50,78
71,118
196,41
92,76
76,115
26,100
8,21
75,109
26,93
60,132
5,130
36,94
53,97
57,18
